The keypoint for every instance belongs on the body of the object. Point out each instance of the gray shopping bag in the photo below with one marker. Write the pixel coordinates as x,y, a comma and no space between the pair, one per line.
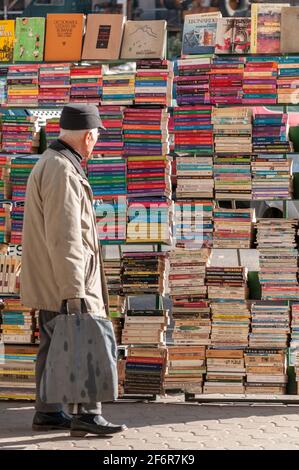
81,366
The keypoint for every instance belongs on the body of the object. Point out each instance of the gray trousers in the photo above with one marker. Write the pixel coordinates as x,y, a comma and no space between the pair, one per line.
46,332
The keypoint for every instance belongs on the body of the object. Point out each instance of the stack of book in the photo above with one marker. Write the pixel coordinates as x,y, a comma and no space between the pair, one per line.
20,134
22,85
230,324
52,130
194,223
192,80
259,83
5,184
107,177
118,88
232,129
185,368
187,272
145,327
86,84
54,84
270,133
288,80
143,273
271,177
191,331
3,84
9,274
112,269
17,371
149,177
21,168
232,175
111,217
149,222
192,323
17,322
190,306
191,314
266,371
270,325
226,284
4,224
193,131
294,343
145,132
110,141
226,80
145,370
233,228
153,82
225,371
17,218
277,248
194,177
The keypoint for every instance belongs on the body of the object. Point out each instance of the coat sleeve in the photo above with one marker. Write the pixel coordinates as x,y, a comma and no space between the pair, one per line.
61,200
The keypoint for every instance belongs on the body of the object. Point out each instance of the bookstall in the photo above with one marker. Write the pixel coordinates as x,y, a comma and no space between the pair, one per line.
176,176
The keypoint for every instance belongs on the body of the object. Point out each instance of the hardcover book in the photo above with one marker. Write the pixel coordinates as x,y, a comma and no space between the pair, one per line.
289,29
199,34
29,40
103,37
265,27
64,35
224,35
7,36
144,40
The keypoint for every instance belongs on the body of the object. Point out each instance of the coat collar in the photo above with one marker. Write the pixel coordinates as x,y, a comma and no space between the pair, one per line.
70,154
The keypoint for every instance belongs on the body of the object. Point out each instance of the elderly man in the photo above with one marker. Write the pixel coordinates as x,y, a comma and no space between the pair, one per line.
62,269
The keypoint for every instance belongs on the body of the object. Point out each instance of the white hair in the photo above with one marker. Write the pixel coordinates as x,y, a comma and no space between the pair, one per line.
67,133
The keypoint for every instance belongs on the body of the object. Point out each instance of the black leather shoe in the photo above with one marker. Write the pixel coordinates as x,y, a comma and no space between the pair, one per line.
93,424
50,421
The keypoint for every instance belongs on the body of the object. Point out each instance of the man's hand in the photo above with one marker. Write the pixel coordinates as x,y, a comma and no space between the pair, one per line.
73,306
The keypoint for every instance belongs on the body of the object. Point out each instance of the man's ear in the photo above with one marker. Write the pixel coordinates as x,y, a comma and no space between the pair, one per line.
87,137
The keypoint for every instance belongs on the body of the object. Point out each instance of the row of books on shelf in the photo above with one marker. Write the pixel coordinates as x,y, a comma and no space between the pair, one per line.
232,80
75,37
227,371
271,29
55,84
187,224
149,370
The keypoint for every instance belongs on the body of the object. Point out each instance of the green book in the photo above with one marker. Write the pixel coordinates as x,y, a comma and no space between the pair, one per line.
29,40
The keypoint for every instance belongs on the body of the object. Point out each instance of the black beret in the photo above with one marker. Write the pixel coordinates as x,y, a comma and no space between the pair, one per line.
78,116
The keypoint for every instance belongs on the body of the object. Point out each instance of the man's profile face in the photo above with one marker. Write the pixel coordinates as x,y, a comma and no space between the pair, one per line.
91,141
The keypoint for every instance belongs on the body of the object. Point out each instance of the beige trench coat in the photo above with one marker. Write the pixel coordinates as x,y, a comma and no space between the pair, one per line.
61,257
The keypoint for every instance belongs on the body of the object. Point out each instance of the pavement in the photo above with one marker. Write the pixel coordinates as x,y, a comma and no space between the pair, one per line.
166,424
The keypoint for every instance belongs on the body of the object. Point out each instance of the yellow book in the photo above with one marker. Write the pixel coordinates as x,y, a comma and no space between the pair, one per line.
7,36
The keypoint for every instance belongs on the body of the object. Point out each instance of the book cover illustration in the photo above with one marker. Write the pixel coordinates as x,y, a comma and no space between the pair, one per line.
144,40
103,37
241,36
265,25
29,40
7,36
199,34
224,36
